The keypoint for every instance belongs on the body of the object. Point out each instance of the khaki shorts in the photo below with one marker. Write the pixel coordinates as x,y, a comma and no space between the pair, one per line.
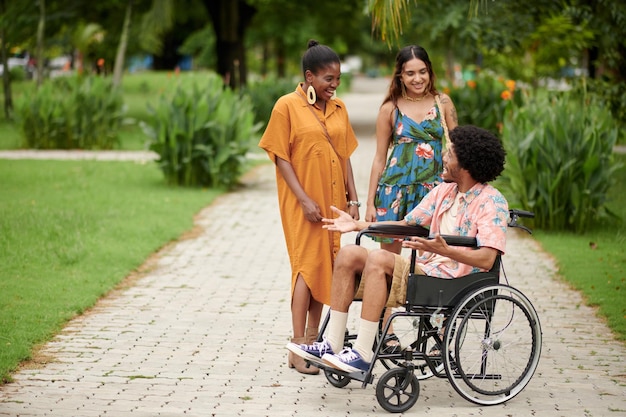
397,294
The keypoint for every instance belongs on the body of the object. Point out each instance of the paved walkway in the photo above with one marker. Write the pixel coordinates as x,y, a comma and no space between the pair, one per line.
202,333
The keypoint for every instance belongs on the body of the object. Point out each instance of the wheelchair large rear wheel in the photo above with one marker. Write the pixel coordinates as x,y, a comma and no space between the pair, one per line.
493,344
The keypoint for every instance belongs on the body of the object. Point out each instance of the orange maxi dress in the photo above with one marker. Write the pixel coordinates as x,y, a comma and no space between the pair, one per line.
294,134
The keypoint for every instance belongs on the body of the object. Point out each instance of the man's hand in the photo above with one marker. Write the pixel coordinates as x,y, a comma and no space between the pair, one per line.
436,245
344,223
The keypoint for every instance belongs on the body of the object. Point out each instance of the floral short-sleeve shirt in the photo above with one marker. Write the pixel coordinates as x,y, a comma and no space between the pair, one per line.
483,213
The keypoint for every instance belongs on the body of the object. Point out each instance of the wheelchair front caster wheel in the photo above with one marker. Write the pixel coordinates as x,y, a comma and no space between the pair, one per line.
397,390
336,380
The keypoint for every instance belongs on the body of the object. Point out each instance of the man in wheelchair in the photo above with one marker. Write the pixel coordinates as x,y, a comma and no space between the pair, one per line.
463,205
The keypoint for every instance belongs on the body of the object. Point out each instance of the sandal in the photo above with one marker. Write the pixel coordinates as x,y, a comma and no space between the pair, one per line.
434,351
391,343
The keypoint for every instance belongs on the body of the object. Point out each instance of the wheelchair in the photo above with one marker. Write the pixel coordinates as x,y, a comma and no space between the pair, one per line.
482,335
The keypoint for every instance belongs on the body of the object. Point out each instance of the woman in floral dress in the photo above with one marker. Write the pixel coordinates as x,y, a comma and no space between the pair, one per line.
412,121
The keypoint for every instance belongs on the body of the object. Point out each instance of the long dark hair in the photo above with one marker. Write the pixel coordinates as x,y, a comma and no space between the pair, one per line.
318,56
404,55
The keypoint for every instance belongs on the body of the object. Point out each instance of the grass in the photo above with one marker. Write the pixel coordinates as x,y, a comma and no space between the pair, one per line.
70,231
595,262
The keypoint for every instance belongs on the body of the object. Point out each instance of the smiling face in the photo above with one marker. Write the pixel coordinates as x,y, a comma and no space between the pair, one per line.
325,81
451,168
416,77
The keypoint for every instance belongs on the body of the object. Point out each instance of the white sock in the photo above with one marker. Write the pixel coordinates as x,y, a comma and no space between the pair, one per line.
365,339
337,330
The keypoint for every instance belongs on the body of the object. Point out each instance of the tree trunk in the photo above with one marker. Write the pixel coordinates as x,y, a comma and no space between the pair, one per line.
230,20
41,30
6,76
265,58
592,61
118,69
281,58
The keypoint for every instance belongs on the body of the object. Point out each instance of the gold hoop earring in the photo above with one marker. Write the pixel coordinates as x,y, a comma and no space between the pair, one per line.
311,97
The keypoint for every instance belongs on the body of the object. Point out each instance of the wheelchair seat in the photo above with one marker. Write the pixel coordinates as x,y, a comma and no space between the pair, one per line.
429,292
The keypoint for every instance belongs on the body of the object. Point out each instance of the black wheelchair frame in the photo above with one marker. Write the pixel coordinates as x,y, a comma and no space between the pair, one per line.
490,333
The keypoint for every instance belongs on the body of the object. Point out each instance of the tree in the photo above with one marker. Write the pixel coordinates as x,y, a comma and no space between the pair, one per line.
41,29
14,18
548,32
121,49
230,20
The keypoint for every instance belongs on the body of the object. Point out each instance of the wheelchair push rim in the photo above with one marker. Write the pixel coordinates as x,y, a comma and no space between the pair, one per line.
493,344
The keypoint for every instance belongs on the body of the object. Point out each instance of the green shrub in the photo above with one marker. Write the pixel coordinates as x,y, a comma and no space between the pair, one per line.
71,113
484,100
560,158
264,94
201,133
18,74
611,93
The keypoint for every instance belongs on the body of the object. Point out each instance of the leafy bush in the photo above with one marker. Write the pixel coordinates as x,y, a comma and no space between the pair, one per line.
201,133
264,94
71,113
611,93
484,100
560,158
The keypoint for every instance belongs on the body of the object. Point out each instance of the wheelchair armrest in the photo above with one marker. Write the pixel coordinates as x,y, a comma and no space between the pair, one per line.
392,230
466,241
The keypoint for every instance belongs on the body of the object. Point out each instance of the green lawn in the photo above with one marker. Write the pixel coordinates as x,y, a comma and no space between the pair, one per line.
70,231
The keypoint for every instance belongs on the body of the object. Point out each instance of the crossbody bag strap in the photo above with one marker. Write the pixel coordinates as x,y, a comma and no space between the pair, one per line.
320,122
446,137
345,168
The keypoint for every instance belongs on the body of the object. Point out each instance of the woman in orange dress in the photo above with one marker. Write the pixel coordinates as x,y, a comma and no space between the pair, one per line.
310,139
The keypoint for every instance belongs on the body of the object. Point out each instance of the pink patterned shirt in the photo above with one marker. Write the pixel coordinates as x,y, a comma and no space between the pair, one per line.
483,213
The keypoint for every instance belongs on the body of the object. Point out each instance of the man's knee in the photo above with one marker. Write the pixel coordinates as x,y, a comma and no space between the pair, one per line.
351,257
382,260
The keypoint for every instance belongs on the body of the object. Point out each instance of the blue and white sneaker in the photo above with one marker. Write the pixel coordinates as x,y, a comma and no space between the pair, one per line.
347,360
312,352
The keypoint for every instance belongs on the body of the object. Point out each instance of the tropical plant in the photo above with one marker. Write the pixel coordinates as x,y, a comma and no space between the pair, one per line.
202,133
482,101
560,158
264,94
71,113
612,94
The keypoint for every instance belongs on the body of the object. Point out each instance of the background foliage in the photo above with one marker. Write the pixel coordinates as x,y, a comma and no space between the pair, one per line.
202,133
71,113
560,161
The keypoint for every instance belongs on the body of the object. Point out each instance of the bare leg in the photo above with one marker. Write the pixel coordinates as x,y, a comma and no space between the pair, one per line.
303,306
350,262
300,304
377,275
